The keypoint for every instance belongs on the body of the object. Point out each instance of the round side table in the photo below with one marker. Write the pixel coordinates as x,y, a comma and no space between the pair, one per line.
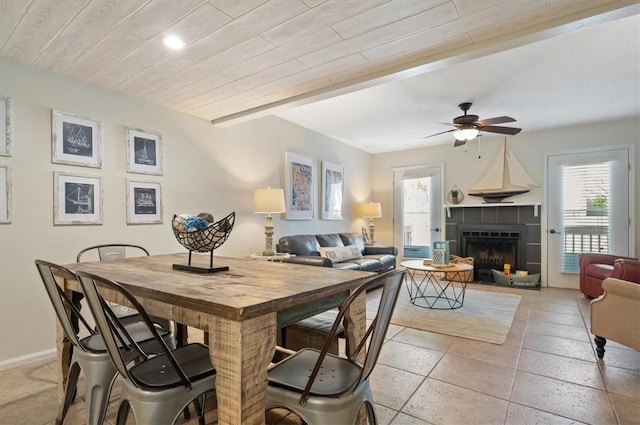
426,290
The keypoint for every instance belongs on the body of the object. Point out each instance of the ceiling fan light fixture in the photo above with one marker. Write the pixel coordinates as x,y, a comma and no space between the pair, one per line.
466,134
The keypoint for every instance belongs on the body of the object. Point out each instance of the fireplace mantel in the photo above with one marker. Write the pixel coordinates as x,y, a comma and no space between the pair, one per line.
536,206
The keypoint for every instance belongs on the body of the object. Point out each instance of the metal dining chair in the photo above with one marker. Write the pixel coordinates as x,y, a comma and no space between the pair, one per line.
111,251
89,354
323,388
117,251
158,388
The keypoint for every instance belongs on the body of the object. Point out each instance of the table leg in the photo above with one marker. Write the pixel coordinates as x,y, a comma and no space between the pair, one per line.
356,327
63,360
64,348
356,324
240,352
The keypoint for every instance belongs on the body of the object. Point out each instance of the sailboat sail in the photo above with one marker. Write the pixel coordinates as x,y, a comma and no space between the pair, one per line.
504,177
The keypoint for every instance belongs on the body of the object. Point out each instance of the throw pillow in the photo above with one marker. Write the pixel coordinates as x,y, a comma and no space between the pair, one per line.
338,254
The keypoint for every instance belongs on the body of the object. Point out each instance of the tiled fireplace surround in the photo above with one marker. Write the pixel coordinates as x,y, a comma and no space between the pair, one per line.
499,218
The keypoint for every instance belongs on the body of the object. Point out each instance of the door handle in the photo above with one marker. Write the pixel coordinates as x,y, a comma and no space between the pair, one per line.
552,231
437,229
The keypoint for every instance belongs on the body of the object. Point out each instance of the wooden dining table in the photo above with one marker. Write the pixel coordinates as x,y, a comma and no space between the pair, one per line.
241,310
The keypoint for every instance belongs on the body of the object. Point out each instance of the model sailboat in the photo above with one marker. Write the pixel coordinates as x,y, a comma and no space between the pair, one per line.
503,178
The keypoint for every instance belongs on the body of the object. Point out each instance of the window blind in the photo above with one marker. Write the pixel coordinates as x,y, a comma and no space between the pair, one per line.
586,192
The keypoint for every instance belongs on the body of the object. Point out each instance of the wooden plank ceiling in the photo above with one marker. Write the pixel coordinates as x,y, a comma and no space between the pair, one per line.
243,56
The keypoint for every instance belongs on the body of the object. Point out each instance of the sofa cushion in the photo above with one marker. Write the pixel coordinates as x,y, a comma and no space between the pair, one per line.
330,240
386,261
338,254
367,264
353,239
304,245
347,265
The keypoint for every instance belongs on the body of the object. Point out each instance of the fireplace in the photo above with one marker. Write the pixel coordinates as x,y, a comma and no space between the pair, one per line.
497,233
492,245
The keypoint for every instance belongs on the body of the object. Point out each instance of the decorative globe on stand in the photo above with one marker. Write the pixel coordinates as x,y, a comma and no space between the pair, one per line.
205,239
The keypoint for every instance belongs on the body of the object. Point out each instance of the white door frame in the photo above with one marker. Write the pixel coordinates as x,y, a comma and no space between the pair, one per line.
398,236
632,201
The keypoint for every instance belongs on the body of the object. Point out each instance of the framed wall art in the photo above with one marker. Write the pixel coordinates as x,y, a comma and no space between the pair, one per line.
144,202
76,140
298,187
77,199
144,152
332,191
5,194
5,126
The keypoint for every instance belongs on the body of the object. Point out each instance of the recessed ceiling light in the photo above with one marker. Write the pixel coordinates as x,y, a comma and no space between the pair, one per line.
173,42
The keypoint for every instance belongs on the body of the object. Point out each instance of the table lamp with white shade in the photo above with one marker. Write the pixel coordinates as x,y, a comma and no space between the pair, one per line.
268,201
370,210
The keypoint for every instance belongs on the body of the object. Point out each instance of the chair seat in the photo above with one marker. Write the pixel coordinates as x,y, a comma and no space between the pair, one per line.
321,322
157,373
337,376
138,330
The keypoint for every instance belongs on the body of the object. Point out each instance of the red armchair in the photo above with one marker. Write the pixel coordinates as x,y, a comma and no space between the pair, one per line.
594,268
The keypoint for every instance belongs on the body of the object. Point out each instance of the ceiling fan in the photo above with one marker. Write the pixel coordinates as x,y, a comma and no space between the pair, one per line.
468,126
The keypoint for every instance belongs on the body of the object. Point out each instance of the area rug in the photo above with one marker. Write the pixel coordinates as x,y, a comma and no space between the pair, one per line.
485,315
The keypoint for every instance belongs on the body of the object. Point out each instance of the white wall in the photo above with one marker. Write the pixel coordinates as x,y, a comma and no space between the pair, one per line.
531,149
205,169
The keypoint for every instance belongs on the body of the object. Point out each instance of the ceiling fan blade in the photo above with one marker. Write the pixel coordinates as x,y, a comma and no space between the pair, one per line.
500,130
437,134
496,120
459,143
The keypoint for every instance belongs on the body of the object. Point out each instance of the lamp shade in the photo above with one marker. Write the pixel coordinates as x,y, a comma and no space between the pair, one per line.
466,134
369,209
268,200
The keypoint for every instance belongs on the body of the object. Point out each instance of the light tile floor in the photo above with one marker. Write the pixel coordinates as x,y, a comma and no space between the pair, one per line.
545,373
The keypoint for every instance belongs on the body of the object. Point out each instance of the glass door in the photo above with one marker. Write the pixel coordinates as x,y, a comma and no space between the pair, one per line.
588,210
417,211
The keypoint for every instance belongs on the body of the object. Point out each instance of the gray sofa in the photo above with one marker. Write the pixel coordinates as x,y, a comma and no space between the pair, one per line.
307,250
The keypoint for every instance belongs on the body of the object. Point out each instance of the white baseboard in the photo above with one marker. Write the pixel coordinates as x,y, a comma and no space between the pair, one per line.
27,359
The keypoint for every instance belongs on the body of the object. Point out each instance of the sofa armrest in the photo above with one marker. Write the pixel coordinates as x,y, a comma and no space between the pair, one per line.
621,288
591,258
626,269
616,314
309,261
378,250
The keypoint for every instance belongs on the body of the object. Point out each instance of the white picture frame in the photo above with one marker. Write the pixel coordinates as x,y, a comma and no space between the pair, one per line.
144,152
77,199
144,202
332,191
6,130
299,187
75,140
5,194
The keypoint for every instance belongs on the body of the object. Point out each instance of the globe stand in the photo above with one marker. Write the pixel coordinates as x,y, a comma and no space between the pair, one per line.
195,269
